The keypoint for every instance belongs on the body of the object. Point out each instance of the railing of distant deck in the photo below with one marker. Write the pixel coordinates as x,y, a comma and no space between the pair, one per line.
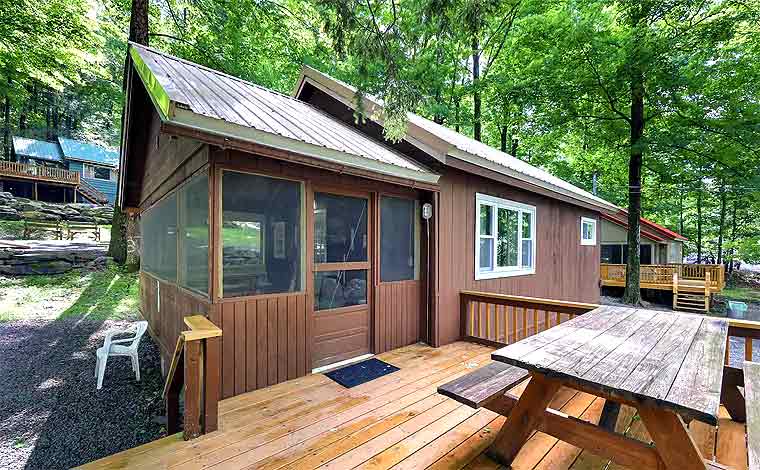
194,365
499,319
660,276
38,172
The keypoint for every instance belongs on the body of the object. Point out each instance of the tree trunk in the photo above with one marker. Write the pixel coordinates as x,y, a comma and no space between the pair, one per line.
138,32
476,89
7,127
632,293
722,221
138,23
733,234
456,115
513,152
503,132
699,223
680,210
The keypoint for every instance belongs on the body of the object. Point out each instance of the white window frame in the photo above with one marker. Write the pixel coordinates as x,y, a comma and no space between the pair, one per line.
505,271
592,222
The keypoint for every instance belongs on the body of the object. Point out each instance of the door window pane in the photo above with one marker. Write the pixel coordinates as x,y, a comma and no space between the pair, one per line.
334,289
261,235
340,228
398,239
506,248
193,253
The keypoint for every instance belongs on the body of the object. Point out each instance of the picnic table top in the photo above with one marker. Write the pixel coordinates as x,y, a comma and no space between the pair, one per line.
656,358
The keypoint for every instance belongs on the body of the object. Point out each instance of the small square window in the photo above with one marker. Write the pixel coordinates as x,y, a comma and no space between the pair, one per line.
588,231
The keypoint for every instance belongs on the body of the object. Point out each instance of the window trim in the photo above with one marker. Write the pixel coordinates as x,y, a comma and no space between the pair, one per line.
218,216
520,208
592,222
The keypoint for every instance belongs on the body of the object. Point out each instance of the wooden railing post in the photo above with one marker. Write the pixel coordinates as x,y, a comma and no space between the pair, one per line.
707,290
195,365
675,290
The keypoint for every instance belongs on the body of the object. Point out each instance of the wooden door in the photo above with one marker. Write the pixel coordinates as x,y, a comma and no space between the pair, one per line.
342,276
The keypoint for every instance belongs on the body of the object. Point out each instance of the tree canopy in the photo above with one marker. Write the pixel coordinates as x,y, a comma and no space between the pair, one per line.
624,97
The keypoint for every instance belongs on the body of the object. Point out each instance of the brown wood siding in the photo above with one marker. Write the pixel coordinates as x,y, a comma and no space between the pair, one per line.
399,315
565,270
170,161
165,320
264,341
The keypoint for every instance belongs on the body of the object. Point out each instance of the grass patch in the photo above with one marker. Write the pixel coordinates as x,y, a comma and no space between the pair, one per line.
11,229
99,295
742,294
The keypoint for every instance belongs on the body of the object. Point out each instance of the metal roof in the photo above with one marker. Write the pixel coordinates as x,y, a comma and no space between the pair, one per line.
87,152
194,96
458,145
38,149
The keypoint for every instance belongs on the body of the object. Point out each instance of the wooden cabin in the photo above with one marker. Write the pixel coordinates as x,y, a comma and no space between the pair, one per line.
310,240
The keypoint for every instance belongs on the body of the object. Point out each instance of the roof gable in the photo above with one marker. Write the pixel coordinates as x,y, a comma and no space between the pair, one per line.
448,145
87,152
197,97
650,229
37,149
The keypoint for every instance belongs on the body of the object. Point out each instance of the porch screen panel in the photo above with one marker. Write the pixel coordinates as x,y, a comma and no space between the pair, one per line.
194,234
399,241
261,235
158,227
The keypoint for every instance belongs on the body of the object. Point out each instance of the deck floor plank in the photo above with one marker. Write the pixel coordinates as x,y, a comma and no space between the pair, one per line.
397,421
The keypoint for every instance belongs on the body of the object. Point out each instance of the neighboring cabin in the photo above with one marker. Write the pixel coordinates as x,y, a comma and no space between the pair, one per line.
300,233
659,245
65,170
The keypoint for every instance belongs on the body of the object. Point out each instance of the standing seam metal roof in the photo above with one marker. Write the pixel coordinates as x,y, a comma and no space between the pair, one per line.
213,94
466,147
38,149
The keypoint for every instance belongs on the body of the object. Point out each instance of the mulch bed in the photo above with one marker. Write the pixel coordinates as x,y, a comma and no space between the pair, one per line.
51,415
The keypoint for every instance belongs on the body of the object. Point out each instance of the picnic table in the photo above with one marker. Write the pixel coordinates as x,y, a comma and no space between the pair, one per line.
667,365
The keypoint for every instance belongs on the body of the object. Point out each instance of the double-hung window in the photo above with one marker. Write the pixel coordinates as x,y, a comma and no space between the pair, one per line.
505,238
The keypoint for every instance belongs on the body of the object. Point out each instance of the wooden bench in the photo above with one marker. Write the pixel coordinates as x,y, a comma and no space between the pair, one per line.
40,226
752,404
484,387
73,229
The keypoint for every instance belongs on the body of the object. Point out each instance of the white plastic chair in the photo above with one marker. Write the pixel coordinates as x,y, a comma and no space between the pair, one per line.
120,347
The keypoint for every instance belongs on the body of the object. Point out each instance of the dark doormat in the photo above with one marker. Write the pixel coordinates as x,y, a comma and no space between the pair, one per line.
361,372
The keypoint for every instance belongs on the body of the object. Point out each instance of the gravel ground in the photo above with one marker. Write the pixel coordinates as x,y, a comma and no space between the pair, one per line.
51,415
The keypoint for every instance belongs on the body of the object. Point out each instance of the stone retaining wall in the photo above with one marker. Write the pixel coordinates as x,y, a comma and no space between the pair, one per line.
50,257
21,208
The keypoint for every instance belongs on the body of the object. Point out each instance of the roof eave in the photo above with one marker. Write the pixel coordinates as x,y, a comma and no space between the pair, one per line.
415,135
601,205
187,118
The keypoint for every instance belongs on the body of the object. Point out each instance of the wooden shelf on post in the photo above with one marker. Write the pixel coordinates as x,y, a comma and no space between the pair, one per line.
197,351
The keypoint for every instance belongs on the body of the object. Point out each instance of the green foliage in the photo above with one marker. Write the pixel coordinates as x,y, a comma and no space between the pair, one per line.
98,295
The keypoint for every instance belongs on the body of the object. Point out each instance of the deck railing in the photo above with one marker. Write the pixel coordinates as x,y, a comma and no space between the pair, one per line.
654,276
195,365
41,173
499,319
747,329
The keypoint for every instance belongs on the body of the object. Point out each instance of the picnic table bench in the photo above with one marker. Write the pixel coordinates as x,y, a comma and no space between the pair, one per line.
667,365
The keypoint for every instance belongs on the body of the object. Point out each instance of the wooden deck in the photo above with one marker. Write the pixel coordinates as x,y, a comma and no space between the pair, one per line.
42,174
691,277
396,421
